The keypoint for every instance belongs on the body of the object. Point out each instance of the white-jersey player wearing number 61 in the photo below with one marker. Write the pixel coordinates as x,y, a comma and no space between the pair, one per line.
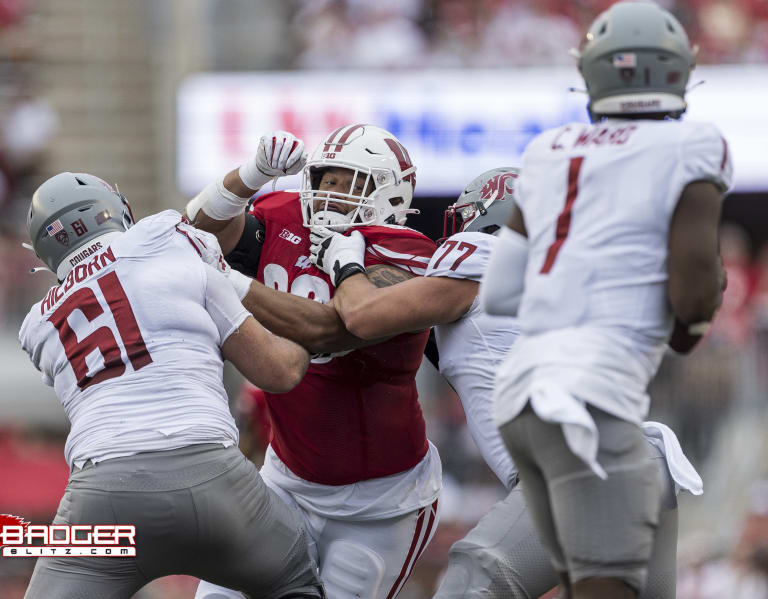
622,220
132,340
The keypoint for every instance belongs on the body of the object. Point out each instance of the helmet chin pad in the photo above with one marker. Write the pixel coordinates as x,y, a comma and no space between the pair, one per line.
336,221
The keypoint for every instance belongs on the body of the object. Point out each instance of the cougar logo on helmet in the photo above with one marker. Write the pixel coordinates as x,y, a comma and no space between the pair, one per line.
479,208
498,187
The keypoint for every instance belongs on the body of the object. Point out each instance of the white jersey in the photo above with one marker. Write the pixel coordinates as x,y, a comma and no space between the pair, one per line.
597,202
472,348
129,347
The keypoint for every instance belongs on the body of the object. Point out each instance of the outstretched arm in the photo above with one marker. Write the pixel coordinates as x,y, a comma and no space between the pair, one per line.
384,303
219,208
696,277
316,326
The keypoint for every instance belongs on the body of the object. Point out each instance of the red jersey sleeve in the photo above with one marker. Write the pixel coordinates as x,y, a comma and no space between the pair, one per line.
262,206
398,246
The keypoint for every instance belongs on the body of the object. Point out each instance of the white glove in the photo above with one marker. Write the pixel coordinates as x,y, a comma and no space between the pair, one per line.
279,153
214,258
337,255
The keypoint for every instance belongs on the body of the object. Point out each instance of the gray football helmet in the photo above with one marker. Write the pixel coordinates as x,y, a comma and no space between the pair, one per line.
636,59
484,205
71,209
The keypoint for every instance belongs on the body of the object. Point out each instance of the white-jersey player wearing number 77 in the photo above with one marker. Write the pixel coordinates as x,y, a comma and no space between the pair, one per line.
622,220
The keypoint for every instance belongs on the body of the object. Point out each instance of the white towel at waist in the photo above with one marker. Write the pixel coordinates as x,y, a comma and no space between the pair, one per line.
552,403
681,470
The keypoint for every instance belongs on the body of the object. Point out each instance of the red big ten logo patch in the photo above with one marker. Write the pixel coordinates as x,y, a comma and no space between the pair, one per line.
498,187
287,235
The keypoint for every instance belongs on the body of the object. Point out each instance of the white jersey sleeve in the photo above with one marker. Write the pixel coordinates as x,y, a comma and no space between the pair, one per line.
704,156
462,256
472,348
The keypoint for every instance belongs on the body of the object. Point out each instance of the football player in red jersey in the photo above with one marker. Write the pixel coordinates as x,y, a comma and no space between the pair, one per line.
349,447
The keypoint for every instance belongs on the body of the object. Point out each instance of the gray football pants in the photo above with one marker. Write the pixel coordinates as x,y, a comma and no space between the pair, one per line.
592,528
502,557
201,510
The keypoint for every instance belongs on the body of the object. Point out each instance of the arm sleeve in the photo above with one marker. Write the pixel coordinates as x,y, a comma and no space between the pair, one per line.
462,256
705,156
411,252
502,286
246,255
34,348
222,303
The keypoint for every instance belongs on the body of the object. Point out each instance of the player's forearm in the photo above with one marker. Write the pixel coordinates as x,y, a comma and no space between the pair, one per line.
294,361
695,291
316,326
364,308
416,304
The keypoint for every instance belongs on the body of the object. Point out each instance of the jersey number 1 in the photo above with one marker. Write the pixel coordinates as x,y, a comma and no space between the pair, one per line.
102,339
564,220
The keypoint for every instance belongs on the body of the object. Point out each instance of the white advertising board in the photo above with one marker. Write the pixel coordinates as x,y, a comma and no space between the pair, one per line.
455,124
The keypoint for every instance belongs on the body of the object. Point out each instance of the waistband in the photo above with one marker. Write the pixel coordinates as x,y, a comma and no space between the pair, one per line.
158,470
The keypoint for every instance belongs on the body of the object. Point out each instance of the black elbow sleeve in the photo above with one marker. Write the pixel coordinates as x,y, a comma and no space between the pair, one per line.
245,257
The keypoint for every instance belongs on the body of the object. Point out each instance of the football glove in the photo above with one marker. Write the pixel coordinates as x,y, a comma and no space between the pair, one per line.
279,153
339,256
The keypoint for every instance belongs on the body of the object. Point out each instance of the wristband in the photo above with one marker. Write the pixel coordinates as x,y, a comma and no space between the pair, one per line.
217,202
251,176
346,271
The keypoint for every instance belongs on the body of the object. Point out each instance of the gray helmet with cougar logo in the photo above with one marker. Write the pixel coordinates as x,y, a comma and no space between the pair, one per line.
636,59
485,204
71,209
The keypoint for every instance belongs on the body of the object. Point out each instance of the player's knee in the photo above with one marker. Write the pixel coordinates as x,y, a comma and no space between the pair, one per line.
351,570
477,571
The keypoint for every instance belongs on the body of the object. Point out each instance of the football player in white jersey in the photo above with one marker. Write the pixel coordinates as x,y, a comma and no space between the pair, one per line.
133,341
502,556
621,220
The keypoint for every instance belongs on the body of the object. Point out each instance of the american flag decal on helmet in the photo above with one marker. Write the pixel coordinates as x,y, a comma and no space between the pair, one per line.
403,158
343,134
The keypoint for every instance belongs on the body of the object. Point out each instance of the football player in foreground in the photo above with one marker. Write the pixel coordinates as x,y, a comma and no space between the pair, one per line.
348,443
502,556
132,340
621,219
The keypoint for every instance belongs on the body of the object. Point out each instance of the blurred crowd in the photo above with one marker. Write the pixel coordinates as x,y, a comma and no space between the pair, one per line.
500,33
28,123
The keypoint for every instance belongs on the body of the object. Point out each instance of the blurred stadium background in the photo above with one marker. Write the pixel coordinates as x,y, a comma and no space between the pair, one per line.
162,96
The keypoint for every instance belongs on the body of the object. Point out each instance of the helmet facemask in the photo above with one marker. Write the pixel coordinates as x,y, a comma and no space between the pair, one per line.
372,197
382,179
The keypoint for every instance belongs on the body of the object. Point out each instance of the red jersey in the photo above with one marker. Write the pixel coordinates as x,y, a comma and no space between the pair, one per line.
352,417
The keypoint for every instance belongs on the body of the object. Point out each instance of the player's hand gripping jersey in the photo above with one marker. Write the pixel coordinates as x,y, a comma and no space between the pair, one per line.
129,317
597,201
356,416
